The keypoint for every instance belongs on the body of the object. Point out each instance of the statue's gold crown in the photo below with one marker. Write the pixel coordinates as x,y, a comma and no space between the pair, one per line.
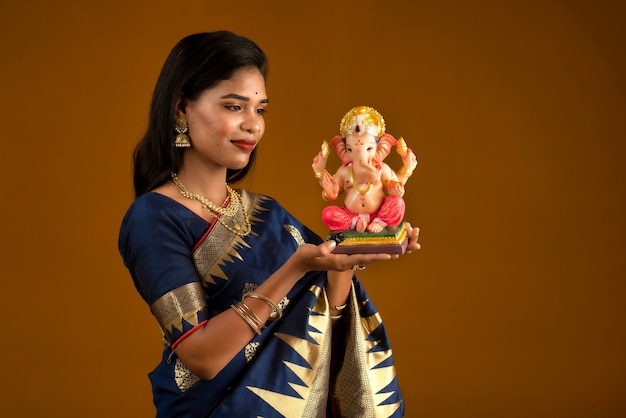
362,120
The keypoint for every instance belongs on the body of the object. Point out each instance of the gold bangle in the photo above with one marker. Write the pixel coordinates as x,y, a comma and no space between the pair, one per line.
405,172
245,317
276,311
248,311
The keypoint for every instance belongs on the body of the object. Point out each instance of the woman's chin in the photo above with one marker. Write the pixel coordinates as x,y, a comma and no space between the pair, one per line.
239,165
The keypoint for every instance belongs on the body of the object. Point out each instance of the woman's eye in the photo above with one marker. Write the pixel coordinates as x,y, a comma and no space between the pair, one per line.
261,111
234,108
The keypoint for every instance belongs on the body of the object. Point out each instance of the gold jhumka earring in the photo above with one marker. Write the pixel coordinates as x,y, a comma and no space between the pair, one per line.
181,140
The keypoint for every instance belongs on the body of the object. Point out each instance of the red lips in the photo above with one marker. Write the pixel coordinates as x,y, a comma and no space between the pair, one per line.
244,144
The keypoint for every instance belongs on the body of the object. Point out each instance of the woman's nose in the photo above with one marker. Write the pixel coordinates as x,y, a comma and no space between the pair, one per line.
252,124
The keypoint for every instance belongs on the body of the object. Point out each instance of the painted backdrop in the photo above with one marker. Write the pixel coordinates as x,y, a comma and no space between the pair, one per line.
514,307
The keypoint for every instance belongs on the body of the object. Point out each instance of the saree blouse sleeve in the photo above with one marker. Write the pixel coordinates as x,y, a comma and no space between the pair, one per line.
156,240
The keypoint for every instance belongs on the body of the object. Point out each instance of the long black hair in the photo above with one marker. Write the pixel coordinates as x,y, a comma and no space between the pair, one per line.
196,63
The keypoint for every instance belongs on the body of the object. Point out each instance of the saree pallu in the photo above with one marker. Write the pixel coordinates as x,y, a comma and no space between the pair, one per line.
300,366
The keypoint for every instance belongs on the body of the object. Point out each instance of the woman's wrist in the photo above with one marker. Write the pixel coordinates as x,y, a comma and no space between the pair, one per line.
340,278
295,267
338,289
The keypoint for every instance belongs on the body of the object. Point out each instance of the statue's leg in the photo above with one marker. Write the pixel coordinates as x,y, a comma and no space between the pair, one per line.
391,211
338,218
362,220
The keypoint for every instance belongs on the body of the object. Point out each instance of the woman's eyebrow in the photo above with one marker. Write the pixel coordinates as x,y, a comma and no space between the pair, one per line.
239,97
235,96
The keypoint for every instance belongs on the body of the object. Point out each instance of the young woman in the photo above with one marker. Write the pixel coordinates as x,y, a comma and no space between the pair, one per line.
259,317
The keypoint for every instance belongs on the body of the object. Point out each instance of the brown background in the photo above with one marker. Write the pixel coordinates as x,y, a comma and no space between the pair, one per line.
514,307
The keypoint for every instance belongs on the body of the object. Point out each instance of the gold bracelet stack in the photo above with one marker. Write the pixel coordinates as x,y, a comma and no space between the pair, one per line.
250,317
277,312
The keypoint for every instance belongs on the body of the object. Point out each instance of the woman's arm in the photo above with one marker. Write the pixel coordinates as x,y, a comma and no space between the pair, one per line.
210,348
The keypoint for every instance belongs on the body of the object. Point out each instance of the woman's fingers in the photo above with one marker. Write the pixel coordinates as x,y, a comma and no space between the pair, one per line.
413,239
360,261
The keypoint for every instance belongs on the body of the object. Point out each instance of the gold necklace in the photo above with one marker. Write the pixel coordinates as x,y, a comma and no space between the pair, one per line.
361,192
228,212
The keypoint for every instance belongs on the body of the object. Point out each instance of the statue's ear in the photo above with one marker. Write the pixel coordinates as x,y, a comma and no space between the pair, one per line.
385,143
339,143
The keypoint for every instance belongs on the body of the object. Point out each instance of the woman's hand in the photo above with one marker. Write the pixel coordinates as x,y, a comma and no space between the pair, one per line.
320,257
309,257
414,233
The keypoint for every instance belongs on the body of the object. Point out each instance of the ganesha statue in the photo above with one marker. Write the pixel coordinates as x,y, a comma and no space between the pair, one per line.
373,204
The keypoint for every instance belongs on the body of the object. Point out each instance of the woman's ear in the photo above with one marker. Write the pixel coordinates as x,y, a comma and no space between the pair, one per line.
181,105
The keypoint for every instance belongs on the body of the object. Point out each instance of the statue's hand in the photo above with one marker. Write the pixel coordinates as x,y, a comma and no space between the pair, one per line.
330,186
396,188
319,162
319,165
409,160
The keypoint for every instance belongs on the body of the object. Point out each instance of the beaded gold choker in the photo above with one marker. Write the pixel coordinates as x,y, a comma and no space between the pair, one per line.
229,212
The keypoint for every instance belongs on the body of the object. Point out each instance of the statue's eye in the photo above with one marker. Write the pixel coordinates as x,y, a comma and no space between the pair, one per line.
349,149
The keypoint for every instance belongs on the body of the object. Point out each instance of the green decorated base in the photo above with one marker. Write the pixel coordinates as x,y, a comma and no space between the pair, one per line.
391,240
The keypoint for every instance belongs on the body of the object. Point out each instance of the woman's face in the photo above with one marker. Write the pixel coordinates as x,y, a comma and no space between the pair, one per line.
226,121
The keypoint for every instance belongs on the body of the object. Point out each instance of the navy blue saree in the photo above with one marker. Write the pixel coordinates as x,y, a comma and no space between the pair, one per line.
188,271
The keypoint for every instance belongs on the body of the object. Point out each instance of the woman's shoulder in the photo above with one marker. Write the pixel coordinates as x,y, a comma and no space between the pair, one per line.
153,209
154,218
152,204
